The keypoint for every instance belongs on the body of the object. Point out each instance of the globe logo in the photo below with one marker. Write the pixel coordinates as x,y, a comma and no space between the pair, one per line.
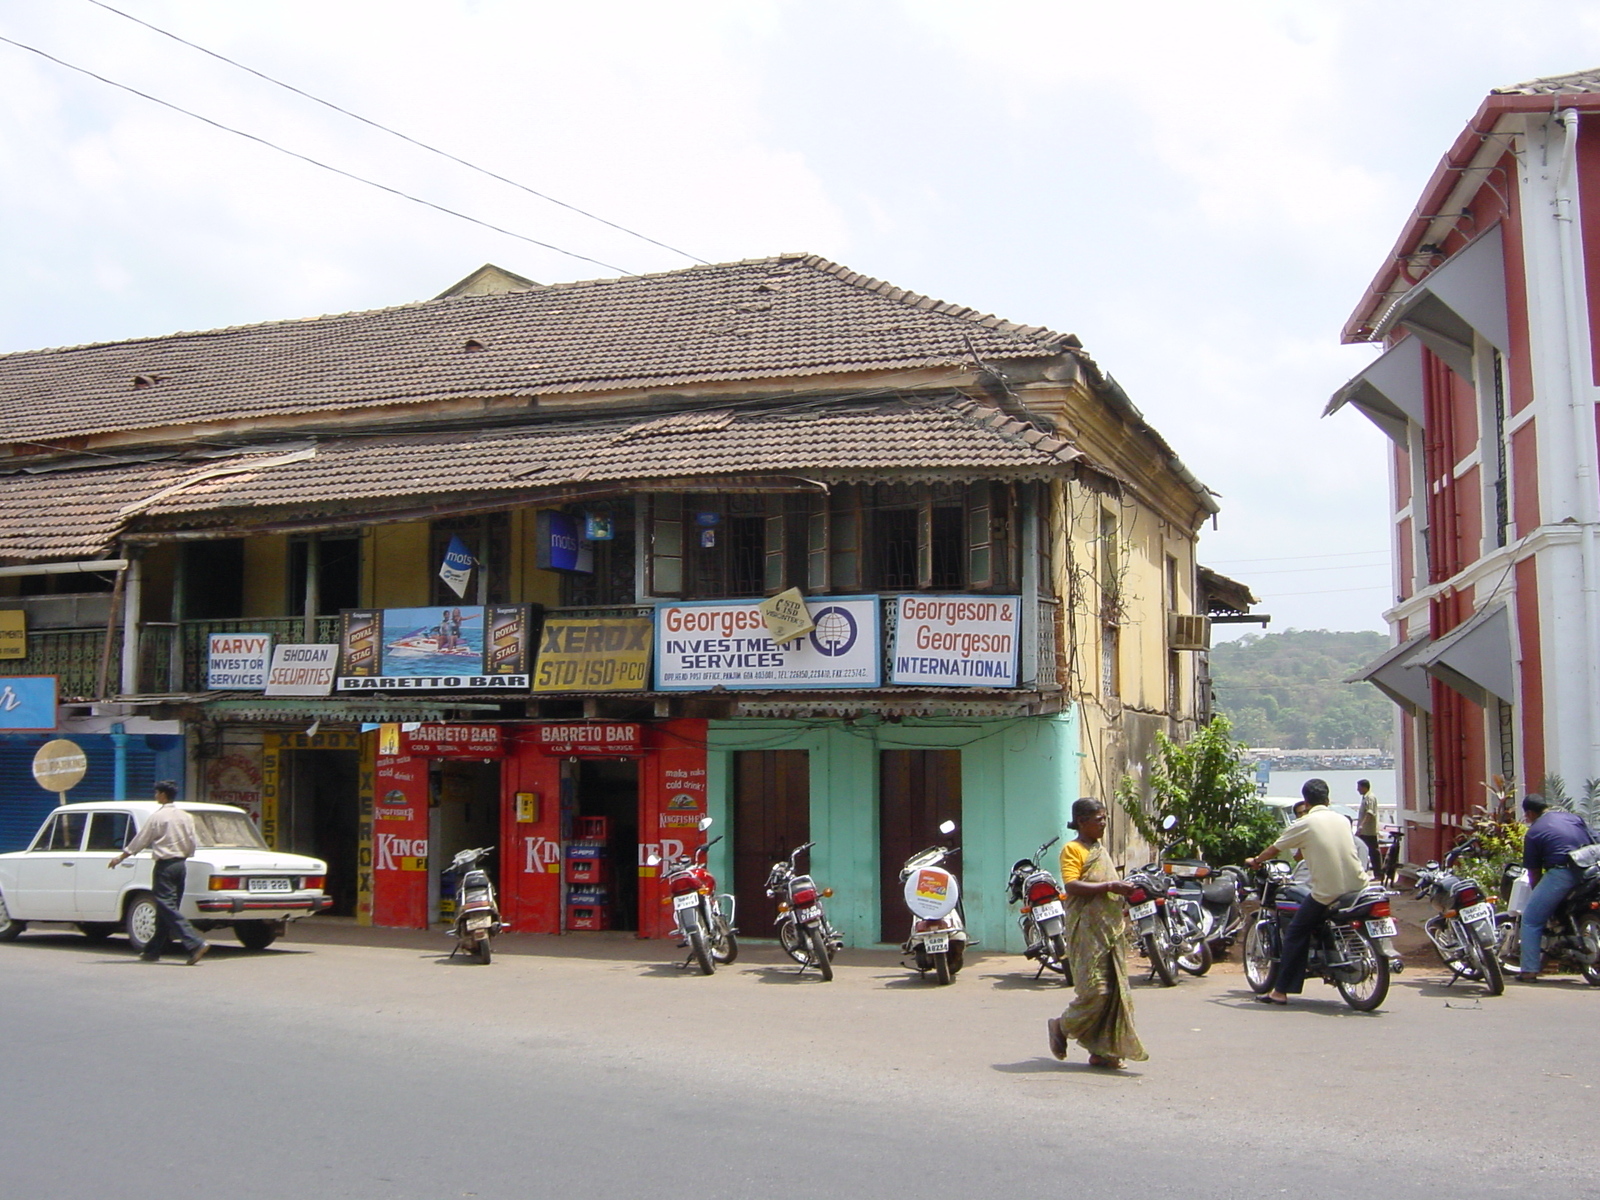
835,633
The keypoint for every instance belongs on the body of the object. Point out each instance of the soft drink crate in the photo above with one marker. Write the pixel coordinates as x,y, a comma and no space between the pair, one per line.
589,896
586,849
583,870
592,828
588,916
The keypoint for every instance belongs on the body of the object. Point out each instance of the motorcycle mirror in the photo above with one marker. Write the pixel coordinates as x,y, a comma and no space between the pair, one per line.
705,824
653,860
947,827
1169,822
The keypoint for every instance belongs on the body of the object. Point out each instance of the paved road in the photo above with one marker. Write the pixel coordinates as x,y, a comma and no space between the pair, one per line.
592,1069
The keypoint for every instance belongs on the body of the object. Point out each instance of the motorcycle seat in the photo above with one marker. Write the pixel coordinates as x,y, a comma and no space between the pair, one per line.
1219,893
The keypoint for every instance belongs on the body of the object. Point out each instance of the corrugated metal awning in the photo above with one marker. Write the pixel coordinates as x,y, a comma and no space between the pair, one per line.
1466,295
1475,658
1398,676
1388,392
368,709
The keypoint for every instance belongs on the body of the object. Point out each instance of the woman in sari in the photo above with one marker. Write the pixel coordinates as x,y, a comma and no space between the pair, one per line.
1100,1017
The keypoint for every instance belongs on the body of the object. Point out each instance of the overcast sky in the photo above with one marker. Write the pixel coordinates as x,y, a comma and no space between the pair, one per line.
1199,191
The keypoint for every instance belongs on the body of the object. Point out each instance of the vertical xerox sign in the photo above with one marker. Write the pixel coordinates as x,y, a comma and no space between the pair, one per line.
956,641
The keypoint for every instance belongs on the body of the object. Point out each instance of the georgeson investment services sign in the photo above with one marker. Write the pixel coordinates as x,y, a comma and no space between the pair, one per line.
722,643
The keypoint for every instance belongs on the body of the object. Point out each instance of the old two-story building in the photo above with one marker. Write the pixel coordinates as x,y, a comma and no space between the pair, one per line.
490,569
1486,388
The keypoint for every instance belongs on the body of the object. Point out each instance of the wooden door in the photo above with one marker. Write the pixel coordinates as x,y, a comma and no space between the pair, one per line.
917,789
771,816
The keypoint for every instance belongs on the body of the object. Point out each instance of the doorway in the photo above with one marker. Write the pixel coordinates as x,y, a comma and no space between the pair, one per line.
608,788
917,789
465,815
771,816
319,816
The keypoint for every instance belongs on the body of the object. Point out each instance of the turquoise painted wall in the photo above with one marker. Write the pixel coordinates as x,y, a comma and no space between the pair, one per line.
1019,778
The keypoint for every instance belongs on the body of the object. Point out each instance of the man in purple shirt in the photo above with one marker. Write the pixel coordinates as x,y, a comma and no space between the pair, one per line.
1552,835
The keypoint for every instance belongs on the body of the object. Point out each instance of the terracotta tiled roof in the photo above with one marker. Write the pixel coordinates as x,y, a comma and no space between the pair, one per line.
79,512
1578,83
766,318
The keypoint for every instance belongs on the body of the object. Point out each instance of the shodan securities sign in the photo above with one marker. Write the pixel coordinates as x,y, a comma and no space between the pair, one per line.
956,641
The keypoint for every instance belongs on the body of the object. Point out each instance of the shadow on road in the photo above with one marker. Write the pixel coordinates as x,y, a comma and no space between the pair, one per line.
1020,982
1050,1066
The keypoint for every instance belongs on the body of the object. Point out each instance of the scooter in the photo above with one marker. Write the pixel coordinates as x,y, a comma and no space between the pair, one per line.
803,928
938,939
477,910
697,910
1043,917
1571,938
1351,949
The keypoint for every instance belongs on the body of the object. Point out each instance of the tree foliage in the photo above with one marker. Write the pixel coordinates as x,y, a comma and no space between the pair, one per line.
1286,690
1208,784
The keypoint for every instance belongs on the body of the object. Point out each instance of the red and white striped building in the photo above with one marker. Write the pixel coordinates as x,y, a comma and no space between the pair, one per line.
1487,308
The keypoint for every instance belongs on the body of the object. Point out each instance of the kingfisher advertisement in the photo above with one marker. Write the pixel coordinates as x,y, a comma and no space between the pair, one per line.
723,643
453,647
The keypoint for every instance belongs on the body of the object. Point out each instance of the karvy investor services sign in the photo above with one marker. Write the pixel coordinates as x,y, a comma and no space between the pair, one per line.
700,646
956,641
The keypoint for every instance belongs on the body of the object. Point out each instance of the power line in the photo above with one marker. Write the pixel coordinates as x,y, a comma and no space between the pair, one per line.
395,132
1308,570
1377,587
382,187
1297,557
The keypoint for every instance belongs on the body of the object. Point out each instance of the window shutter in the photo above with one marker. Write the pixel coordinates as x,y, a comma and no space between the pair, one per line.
980,536
777,524
817,557
844,552
666,545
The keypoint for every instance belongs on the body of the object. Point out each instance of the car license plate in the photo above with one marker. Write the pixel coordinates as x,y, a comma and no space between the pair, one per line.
687,900
1140,911
1044,912
1383,927
814,913
268,885
936,943
1477,912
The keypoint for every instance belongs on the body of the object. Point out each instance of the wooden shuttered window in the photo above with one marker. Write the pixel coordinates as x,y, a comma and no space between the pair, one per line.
666,545
774,550
819,565
845,540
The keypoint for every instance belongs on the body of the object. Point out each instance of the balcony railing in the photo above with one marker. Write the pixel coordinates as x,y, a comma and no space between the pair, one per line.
197,634
73,656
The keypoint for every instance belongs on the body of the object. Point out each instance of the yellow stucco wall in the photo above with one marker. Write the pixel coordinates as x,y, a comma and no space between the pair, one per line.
266,572
394,566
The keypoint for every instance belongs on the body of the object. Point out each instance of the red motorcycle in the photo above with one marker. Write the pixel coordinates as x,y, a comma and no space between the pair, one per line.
704,919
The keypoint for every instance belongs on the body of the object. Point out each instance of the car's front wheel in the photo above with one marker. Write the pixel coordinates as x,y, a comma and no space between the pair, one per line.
142,920
10,928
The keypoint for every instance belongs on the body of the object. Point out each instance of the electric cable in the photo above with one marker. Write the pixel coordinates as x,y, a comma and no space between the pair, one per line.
383,187
355,116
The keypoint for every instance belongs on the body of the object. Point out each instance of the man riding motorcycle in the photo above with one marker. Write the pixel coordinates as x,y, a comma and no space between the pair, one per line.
1330,852
1552,836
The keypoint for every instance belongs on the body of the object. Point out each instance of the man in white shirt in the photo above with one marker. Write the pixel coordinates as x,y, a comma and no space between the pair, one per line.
1326,846
168,833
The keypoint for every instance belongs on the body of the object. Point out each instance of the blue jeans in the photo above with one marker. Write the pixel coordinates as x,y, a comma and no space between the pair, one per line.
1553,887
1289,976
166,886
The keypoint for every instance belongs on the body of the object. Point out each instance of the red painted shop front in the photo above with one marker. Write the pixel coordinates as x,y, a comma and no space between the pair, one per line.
582,806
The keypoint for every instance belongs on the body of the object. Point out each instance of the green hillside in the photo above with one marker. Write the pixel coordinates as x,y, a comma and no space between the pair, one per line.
1284,690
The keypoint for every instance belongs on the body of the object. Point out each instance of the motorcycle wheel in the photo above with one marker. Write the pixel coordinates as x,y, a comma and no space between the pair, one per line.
941,967
1372,988
1508,930
702,954
1494,979
724,942
1058,959
485,948
958,957
1258,956
1197,962
1159,951
793,944
1589,931
819,952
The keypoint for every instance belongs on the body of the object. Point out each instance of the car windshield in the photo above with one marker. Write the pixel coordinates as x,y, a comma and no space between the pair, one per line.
226,831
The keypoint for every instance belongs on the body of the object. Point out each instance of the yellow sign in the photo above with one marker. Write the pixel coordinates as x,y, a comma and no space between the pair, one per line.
527,808
60,765
389,739
412,862
594,654
785,616
13,633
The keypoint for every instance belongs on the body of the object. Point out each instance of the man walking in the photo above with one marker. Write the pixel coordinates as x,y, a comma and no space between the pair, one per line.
169,836
1367,825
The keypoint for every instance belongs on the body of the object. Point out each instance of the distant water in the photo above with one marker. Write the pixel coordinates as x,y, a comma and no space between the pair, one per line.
1341,784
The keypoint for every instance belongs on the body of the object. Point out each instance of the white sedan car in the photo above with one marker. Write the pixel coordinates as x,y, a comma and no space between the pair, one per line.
233,880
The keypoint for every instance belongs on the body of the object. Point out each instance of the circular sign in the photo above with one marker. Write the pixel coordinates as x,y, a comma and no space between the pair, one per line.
835,633
60,765
931,892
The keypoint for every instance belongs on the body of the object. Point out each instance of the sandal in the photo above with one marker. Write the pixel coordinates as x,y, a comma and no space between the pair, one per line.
1101,1060
1058,1039
1269,998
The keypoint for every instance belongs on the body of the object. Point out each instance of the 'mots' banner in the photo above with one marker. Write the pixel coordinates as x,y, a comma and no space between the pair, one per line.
956,641
459,647
594,654
719,643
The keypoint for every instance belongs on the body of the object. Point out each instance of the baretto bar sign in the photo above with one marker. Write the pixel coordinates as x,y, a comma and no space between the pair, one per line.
453,741
589,737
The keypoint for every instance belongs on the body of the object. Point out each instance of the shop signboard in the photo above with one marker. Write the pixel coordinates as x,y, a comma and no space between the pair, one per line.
726,643
301,670
579,738
459,647
13,633
237,662
558,547
956,641
28,704
452,741
594,654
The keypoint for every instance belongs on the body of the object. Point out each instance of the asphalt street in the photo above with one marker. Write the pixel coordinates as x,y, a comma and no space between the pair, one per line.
581,1067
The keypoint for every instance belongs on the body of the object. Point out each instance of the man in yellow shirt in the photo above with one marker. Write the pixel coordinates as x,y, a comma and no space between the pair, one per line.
1323,838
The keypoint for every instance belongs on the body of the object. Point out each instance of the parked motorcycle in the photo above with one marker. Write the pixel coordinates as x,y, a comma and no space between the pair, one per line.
1043,915
704,919
477,910
1351,949
803,928
1463,928
938,939
1168,926
1571,937
1217,894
